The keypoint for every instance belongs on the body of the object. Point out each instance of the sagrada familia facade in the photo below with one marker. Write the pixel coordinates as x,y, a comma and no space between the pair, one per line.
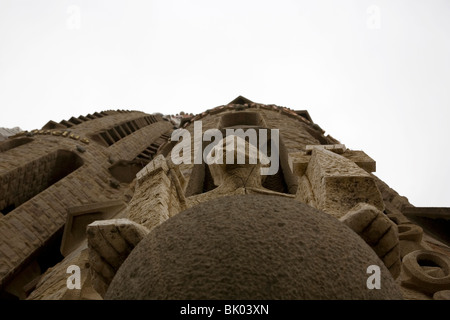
122,204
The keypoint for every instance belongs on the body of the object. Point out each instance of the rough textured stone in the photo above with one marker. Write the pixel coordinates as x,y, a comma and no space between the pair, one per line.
158,194
110,242
298,162
157,164
417,277
442,295
80,216
378,231
359,217
304,192
339,184
251,247
53,283
361,159
35,205
410,232
243,178
337,148
42,175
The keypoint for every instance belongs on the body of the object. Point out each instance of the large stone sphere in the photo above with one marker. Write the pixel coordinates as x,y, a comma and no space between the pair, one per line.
251,247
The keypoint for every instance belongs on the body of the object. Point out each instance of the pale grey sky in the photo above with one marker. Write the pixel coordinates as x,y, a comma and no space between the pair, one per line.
373,74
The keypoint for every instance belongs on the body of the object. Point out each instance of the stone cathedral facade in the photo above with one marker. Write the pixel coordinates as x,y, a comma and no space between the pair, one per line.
101,207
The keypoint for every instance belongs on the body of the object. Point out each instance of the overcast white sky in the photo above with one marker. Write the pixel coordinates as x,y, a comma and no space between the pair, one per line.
374,74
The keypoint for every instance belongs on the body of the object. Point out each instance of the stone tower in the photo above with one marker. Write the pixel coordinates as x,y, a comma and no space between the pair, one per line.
107,196
79,169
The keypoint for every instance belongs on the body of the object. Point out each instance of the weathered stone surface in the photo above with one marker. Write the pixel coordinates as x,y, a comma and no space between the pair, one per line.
392,199
361,159
157,164
338,184
158,194
359,217
244,178
417,277
79,217
337,148
407,246
42,175
386,243
410,232
298,162
304,192
110,242
53,283
442,295
377,231
35,206
251,247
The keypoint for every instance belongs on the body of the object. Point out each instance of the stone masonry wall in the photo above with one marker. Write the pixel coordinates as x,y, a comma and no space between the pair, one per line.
24,179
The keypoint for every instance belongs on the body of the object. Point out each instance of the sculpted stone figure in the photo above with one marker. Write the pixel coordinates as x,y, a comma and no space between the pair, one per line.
377,230
236,178
204,228
164,179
